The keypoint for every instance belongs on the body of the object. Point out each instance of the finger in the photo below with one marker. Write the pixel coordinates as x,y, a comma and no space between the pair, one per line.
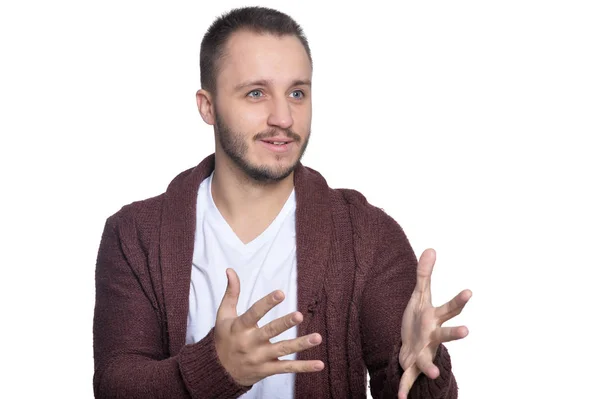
260,308
453,307
406,381
407,357
447,334
228,307
426,366
424,271
293,366
280,325
287,347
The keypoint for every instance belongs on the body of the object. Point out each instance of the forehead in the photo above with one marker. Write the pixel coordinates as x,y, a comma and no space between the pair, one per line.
252,56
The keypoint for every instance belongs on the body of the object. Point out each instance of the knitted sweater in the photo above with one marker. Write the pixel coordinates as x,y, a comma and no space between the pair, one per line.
356,273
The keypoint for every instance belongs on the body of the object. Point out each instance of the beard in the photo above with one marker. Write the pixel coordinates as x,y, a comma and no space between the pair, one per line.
236,148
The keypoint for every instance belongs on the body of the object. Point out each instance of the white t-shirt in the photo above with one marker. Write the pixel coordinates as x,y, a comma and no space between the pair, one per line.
263,265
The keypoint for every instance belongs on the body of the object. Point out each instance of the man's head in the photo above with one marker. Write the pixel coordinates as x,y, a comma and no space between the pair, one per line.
256,72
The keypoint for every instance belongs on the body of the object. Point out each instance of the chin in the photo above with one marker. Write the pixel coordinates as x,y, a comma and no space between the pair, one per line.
269,173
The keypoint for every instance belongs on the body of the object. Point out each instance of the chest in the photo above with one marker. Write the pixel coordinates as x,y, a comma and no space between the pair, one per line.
264,265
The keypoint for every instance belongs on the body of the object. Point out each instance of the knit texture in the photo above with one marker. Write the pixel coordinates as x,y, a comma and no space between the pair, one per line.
356,273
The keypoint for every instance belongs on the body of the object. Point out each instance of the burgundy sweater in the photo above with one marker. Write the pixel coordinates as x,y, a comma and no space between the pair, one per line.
356,273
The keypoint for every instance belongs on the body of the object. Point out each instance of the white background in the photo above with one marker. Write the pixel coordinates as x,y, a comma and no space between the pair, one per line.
473,123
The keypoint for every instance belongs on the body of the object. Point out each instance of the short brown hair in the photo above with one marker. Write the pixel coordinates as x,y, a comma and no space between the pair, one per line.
254,19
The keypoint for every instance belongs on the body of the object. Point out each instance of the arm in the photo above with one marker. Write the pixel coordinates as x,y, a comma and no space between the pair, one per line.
130,355
388,288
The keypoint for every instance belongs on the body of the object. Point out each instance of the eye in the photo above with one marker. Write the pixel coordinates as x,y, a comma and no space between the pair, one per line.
255,94
297,94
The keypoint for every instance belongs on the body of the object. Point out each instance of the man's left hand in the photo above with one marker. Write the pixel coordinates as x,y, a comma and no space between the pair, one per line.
422,330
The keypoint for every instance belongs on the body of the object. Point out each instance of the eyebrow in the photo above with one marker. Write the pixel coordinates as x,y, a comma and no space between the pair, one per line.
264,82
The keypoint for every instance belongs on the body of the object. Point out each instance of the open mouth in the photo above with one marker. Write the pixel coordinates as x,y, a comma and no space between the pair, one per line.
278,146
276,142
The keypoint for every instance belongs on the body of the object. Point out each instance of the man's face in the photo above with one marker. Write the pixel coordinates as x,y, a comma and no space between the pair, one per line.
263,106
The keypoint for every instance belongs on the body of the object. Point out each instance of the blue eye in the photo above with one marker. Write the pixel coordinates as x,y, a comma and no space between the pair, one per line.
297,94
255,93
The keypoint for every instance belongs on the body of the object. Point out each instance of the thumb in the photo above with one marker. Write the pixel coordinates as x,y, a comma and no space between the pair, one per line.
228,307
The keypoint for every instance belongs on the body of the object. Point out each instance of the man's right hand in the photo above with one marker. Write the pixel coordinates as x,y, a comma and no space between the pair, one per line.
245,350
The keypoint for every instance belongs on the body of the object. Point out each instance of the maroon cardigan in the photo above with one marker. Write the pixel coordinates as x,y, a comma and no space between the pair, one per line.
356,272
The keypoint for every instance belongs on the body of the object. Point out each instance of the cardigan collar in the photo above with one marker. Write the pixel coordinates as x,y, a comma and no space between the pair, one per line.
178,226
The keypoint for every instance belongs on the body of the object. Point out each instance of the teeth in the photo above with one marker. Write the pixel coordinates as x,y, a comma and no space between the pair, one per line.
278,142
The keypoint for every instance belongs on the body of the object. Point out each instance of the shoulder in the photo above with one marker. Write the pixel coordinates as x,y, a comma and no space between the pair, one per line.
136,224
146,212
364,215
354,198
366,218
378,240
372,227
138,211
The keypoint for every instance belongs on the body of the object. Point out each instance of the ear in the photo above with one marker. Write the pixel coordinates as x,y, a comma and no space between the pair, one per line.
205,106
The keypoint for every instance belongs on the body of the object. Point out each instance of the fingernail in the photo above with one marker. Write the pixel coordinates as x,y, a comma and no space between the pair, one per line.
319,366
278,296
314,339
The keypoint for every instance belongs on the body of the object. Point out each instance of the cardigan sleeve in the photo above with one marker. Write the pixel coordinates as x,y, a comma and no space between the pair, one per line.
389,285
130,359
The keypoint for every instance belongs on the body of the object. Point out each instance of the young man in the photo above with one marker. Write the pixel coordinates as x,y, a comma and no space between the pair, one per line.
249,275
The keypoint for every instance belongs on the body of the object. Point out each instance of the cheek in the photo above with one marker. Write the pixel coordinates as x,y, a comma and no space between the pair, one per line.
251,118
239,115
302,121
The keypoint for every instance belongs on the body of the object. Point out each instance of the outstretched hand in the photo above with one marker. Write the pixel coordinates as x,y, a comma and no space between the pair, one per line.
245,350
422,330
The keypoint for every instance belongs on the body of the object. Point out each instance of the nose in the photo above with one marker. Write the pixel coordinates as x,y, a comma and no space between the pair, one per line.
280,114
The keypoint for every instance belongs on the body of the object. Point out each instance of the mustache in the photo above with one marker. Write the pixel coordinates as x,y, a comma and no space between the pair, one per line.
289,133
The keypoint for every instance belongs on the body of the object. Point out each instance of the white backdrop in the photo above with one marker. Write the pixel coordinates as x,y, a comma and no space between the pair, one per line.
472,123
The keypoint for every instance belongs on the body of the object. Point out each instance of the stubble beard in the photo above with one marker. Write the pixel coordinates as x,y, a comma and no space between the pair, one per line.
236,148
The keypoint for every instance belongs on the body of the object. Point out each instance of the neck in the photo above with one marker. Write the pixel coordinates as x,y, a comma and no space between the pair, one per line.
248,206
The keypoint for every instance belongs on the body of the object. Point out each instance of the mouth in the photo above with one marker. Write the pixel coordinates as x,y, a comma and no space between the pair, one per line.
278,140
277,145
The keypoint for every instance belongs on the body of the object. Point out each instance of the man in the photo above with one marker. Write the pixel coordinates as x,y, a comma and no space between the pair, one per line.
249,275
